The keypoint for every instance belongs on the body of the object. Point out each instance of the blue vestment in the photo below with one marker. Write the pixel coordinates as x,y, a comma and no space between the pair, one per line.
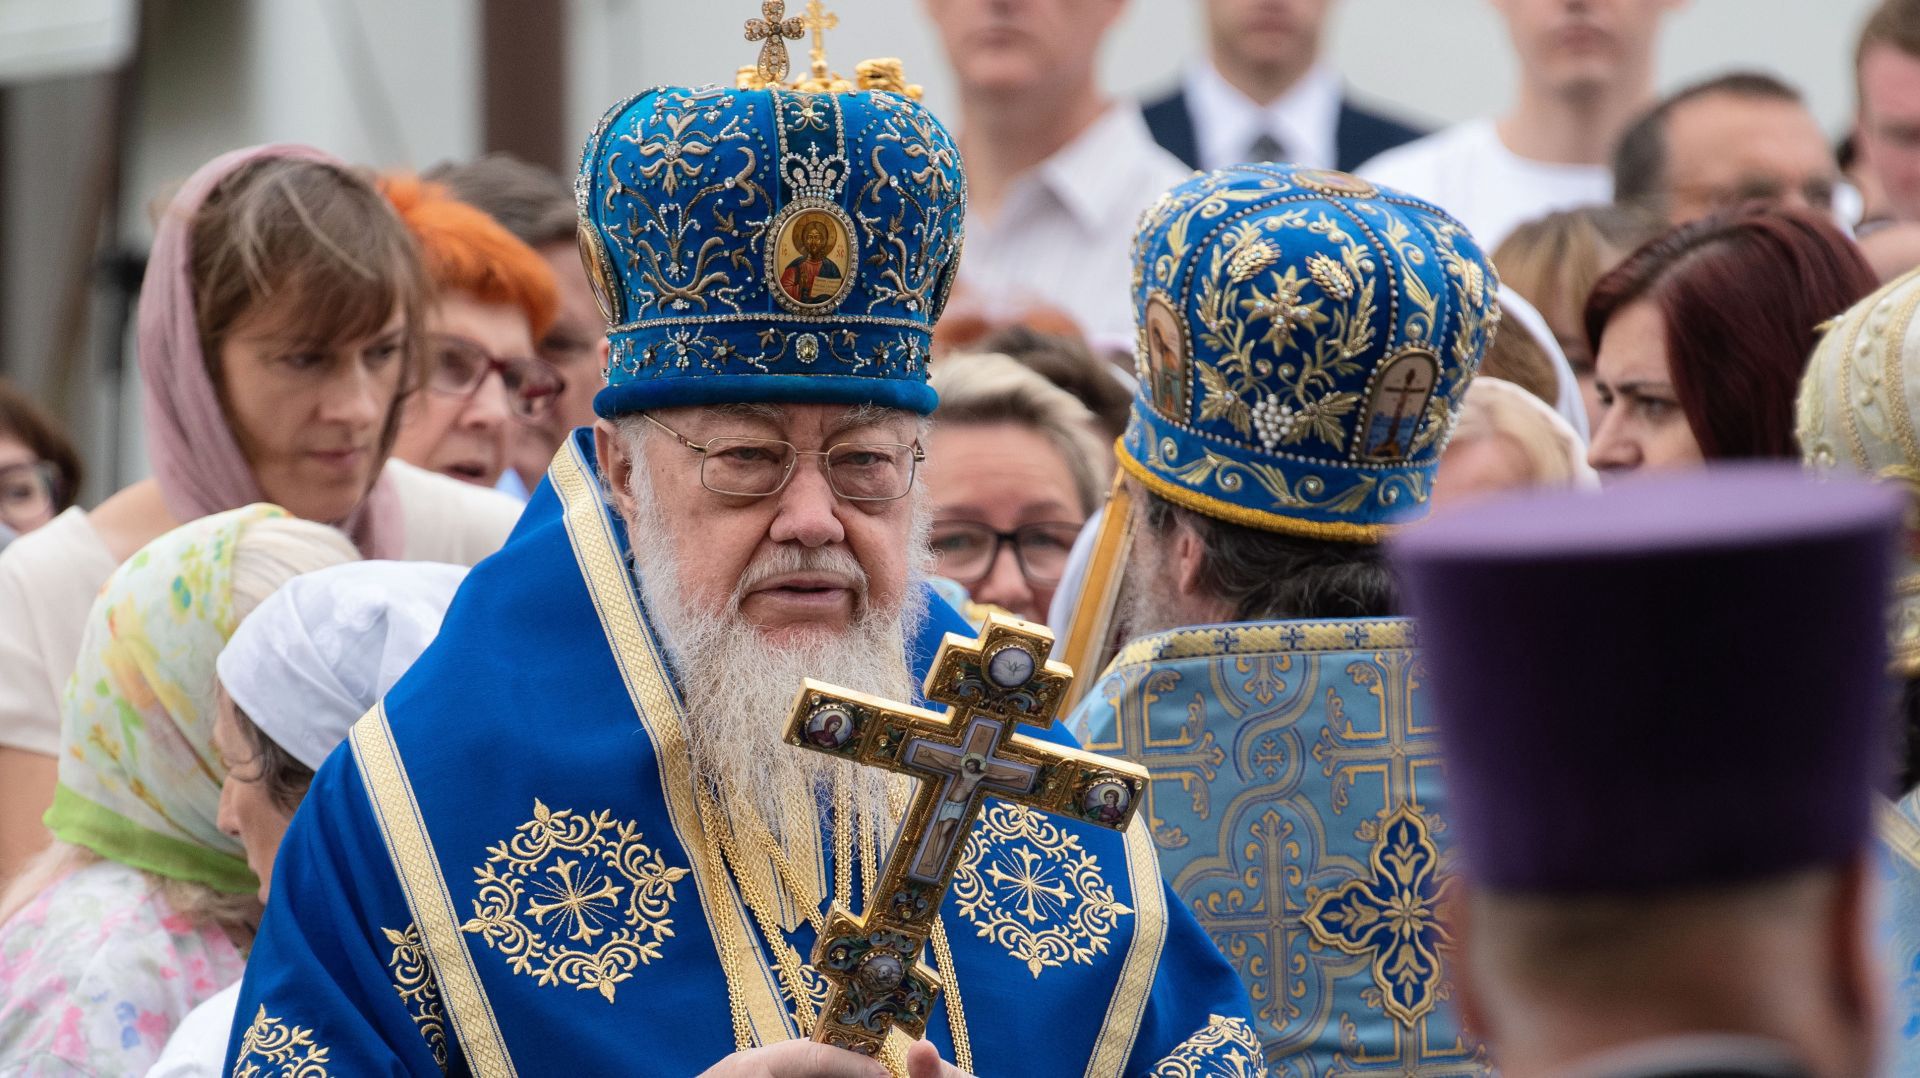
1900,853
1297,805
503,871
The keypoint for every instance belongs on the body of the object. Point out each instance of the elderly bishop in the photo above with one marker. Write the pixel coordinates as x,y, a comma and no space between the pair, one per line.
573,838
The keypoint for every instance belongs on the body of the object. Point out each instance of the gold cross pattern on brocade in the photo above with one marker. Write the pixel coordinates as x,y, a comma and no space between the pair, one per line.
993,684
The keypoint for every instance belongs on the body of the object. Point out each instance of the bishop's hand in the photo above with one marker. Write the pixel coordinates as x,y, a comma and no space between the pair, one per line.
923,1061
804,1059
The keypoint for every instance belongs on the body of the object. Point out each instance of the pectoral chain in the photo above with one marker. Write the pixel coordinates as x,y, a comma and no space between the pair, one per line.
723,854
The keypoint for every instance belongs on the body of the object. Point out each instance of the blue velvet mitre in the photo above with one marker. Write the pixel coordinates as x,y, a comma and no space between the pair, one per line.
769,245
1305,341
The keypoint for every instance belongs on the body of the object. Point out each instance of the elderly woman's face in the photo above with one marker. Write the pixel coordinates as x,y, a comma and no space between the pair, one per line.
1641,424
247,811
992,480
466,436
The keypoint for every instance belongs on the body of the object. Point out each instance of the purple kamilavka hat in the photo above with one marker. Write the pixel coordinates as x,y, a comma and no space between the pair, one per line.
1679,682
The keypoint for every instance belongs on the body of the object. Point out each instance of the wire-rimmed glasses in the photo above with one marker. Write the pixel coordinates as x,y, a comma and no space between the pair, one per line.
759,467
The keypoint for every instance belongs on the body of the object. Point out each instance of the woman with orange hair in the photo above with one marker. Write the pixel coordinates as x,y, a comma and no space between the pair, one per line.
493,297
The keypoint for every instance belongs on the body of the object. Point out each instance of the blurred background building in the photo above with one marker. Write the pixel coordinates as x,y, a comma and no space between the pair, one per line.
104,104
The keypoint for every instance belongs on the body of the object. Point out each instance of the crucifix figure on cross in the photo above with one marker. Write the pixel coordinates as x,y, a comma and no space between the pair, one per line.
775,29
1409,382
994,684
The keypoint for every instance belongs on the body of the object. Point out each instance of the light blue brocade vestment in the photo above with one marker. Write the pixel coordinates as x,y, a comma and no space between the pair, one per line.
1298,808
503,872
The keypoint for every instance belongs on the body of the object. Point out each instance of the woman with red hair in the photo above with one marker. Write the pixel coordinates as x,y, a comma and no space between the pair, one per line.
493,297
1702,335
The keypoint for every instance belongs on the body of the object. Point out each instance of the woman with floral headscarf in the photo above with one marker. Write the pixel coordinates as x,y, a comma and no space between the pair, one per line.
141,907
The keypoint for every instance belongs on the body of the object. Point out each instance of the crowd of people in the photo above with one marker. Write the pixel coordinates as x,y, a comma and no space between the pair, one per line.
424,710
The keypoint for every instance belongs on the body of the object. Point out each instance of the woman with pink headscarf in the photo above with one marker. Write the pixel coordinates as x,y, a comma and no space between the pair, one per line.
279,332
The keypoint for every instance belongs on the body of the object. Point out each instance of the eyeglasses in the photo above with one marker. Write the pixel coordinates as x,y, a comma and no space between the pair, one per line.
461,365
758,467
966,550
28,493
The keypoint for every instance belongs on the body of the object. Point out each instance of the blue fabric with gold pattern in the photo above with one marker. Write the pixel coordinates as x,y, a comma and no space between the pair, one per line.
1305,340
504,871
769,245
1900,863
1298,806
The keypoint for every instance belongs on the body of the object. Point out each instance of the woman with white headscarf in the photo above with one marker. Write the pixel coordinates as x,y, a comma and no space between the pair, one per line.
297,674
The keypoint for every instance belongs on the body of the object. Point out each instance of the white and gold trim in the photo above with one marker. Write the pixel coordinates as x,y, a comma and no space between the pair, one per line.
417,866
1114,1044
750,979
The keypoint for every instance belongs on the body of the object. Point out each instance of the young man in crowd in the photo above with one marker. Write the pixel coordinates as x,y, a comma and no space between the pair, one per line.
1586,72
1057,171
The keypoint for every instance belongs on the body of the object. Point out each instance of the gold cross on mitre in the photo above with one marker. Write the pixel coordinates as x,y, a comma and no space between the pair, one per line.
994,684
775,29
818,20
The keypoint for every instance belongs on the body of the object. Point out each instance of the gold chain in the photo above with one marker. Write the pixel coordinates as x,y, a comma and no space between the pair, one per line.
723,851
786,960
732,947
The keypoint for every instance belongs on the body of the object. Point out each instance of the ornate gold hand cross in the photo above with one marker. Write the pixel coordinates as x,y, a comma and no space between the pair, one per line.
993,684
774,28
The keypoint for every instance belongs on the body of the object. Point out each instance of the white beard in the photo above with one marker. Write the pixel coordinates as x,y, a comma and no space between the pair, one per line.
739,687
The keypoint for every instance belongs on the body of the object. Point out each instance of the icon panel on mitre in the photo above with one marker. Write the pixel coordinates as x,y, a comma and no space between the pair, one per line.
811,257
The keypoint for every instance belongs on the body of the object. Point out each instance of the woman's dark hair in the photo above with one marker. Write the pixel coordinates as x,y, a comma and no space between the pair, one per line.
22,419
1742,296
284,778
1268,575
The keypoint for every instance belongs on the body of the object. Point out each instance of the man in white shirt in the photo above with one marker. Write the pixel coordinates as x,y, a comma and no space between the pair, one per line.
1263,93
1058,173
1586,73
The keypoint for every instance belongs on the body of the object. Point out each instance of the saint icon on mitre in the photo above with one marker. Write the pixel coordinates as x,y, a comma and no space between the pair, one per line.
813,276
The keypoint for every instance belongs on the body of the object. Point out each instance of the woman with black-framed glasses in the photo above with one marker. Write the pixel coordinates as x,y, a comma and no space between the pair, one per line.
1014,470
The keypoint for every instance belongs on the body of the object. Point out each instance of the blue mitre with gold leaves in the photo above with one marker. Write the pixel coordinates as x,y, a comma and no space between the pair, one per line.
771,242
1305,342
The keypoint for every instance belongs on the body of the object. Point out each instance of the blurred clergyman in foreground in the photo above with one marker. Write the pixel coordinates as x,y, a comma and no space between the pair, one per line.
1666,868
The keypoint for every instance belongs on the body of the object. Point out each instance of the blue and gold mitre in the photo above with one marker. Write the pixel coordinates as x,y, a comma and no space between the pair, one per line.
1305,341
771,243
